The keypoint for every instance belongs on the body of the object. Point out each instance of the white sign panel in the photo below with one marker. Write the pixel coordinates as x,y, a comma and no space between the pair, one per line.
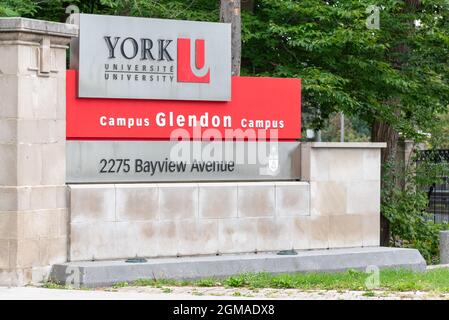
141,58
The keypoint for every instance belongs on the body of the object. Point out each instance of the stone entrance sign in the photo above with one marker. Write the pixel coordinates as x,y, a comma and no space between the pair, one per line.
44,221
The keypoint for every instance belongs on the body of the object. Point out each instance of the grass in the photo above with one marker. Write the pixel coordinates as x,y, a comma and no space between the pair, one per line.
208,282
166,290
122,284
53,285
436,280
369,294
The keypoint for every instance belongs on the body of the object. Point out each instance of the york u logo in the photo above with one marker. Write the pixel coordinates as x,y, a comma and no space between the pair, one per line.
192,68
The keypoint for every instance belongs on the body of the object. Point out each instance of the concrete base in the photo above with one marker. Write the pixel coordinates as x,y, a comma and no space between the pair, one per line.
106,273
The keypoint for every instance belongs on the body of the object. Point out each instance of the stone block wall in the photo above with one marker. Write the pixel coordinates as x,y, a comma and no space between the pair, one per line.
155,220
337,205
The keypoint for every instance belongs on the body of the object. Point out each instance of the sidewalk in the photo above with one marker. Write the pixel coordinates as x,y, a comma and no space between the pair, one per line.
212,293
32,293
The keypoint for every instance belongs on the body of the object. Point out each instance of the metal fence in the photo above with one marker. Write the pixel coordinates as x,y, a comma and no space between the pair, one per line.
438,194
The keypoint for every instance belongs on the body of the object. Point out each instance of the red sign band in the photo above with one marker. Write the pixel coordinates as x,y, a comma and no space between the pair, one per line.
261,108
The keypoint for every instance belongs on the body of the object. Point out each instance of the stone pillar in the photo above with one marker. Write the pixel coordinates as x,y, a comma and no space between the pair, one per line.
405,158
406,149
344,193
33,201
444,247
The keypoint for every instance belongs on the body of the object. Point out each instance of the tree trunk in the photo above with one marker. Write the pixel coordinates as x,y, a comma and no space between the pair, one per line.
383,132
230,13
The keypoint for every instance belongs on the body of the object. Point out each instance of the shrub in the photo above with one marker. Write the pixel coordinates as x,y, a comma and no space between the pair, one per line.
405,204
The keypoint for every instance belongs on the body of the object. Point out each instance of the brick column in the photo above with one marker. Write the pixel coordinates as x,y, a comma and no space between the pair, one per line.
33,202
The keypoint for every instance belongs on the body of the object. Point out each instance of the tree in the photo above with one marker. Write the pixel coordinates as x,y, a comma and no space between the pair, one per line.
440,132
395,78
230,13
12,8
54,10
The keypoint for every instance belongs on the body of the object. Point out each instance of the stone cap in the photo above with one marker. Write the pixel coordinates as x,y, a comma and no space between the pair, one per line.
26,25
349,145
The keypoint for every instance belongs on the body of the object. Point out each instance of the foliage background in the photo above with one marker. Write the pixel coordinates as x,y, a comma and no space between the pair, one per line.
345,66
